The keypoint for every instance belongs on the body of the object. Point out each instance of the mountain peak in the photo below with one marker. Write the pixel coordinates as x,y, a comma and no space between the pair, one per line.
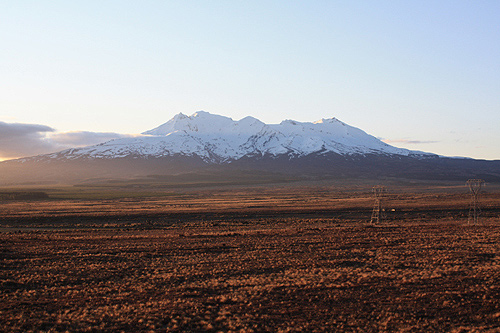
202,113
208,135
205,122
289,122
200,121
328,121
217,139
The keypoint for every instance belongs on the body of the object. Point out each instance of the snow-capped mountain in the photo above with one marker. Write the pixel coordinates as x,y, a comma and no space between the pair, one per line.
206,144
219,139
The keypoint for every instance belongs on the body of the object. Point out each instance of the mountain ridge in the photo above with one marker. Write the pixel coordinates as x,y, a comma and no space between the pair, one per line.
205,142
219,139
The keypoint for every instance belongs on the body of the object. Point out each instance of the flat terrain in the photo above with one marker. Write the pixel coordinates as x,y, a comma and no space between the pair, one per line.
259,259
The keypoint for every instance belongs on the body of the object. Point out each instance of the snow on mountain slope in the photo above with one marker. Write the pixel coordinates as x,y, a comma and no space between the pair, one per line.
218,139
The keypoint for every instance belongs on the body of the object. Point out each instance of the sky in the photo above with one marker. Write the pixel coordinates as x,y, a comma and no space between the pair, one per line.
418,74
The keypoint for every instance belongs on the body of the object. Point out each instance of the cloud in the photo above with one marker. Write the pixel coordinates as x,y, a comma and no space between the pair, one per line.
21,140
408,142
84,138
15,130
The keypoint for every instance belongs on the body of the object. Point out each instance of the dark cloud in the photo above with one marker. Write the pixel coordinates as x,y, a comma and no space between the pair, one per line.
22,140
10,131
18,140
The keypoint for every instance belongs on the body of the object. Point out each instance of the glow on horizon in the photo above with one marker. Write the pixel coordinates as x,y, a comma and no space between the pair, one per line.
421,75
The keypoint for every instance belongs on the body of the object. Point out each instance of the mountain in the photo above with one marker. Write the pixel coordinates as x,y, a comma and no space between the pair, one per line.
206,142
219,139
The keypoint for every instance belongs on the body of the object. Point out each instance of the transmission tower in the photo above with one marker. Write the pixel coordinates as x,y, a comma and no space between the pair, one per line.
379,192
474,210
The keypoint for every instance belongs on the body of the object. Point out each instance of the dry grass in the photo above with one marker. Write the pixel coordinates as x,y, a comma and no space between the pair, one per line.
278,260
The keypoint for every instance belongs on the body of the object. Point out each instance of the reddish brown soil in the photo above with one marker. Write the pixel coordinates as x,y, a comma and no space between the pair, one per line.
253,269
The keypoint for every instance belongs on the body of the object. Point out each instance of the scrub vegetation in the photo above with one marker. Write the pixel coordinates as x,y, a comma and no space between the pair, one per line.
250,260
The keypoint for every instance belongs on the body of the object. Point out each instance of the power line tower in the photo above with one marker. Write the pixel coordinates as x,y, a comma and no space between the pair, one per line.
474,210
379,192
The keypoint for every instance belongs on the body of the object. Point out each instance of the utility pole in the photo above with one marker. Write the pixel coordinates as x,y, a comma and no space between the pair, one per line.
377,213
474,210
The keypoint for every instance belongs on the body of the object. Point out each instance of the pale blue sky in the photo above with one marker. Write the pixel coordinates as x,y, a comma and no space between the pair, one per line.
423,75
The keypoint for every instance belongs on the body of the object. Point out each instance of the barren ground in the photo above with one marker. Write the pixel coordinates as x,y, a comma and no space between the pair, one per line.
302,259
